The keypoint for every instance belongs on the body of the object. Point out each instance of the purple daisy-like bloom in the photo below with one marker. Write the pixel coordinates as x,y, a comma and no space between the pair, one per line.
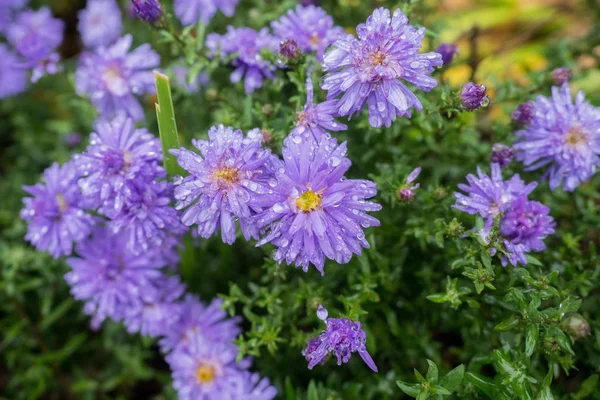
501,154
153,313
203,369
146,218
46,66
56,213
108,277
100,23
489,197
226,179
310,27
342,337
373,67
247,43
13,75
181,77
407,192
35,34
191,12
474,96
447,51
524,226
113,76
317,119
147,10
250,386
7,10
524,113
195,318
564,135
118,153
314,213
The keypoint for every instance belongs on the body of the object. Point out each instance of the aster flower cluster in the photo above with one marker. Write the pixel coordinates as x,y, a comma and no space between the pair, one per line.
100,23
342,337
523,223
191,12
562,135
372,69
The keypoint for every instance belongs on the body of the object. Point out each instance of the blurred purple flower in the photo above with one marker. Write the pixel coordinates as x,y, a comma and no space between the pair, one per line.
249,64
373,67
13,75
310,27
342,337
474,96
226,179
56,213
447,51
181,77
100,23
501,154
407,192
489,197
118,153
193,318
563,135
317,119
46,66
313,212
147,10
108,277
112,76
562,75
191,12
250,386
524,113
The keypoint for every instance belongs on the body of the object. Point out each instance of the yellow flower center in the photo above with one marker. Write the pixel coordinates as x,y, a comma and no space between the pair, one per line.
62,203
205,373
309,201
377,58
575,137
226,176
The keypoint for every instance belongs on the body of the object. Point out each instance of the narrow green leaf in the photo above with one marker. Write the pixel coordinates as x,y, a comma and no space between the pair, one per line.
312,391
167,126
545,393
508,324
290,393
432,372
423,396
56,314
531,260
453,379
482,384
531,339
440,390
411,389
420,377
437,297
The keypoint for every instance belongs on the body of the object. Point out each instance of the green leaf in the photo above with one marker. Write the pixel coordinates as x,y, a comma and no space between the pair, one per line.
420,377
290,393
312,391
531,339
453,379
508,324
570,304
437,297
423,396
482,384
57,313
545,393
411,389
440,390
167,125
531,260
432,372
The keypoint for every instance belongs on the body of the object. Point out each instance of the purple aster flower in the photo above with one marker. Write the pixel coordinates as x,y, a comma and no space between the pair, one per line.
181,77
118,153
35,34
153,313
342,337
447,50
226,179
313,212
501,154
407,192
56,212
489,197
147,10
194,318
524,226
46,66
112,76
311,28
203,369
289,51
146,218
100,23
191,12
373,67
108,277
564,135
249,386
317,118
561,75
7,11
249,64
524,113
312,345
474,96
13,75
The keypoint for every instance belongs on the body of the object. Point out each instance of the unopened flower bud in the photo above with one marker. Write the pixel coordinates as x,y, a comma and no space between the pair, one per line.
501,154
576,326
474,96
148,10
561,75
